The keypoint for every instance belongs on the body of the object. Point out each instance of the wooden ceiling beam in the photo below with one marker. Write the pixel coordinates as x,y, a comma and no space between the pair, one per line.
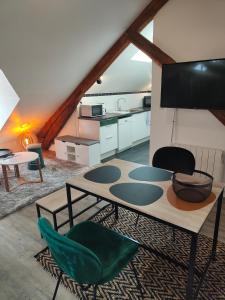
147,15
56,122
150,49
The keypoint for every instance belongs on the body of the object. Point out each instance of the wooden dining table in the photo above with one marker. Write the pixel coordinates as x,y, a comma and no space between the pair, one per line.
148,191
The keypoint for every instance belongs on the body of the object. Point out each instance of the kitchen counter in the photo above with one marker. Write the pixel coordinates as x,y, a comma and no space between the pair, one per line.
118,115
77,140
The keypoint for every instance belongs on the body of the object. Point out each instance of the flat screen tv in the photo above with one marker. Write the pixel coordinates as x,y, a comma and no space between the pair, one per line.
198,84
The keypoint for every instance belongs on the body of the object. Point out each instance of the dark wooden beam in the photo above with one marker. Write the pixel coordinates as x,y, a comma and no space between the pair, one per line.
55,123
147,15
219,114
149,48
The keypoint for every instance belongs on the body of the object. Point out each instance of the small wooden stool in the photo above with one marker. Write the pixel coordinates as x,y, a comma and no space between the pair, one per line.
56,202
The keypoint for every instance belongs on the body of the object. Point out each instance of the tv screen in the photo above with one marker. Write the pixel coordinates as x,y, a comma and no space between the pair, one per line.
194,85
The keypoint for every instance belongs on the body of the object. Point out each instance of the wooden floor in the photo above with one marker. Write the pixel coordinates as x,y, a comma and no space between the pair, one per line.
21,277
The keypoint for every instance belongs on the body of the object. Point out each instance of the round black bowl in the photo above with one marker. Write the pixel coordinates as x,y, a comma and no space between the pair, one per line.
192,188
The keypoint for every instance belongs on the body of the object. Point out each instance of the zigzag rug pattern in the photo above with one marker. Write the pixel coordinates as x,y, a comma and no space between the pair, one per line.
159,278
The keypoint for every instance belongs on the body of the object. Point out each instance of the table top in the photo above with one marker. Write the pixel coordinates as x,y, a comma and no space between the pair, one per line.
162,204
19,158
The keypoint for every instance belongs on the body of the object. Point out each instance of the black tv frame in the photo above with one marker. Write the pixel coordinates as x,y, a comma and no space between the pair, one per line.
187,62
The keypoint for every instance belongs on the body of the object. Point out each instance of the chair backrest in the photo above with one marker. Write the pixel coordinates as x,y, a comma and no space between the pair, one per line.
77,261
174,159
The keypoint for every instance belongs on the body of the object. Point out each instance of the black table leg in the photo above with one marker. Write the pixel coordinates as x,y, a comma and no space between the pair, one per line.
70,209
217,223
191,267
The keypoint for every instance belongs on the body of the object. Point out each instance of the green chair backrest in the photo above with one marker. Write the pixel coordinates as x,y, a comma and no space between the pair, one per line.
77,261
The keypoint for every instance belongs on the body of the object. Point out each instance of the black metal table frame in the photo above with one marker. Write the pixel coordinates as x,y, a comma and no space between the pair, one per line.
191,267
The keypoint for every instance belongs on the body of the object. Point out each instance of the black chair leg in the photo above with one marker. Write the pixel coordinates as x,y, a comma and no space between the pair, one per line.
137,279
95,291
137,220
57,285
116,212
174,235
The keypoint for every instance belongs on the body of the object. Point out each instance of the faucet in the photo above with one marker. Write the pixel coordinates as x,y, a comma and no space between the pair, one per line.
118,103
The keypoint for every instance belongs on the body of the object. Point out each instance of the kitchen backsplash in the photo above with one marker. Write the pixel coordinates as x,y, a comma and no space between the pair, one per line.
112,100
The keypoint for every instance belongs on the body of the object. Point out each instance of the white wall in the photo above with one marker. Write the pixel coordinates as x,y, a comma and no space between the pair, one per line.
47,48
187,30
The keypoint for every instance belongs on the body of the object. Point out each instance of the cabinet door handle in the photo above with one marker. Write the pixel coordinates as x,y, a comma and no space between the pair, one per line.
109,137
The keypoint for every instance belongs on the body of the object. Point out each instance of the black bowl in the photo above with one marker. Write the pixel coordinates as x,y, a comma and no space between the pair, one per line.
193,188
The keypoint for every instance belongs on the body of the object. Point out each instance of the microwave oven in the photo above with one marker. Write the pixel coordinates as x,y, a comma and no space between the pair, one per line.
91,110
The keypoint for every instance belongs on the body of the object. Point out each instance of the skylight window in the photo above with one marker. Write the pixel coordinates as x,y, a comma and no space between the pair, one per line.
8,99
141,56
147,32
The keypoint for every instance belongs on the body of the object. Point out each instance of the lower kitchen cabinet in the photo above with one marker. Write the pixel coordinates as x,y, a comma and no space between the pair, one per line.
87,153
124,133
116,133
140,126
105,131
108,138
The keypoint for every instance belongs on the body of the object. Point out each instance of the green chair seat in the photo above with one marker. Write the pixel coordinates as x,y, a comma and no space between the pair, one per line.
113,250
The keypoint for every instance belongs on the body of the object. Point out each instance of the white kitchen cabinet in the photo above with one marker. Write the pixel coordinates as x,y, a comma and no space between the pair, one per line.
104,130
140,126
108,138
124,133
81,151
60,149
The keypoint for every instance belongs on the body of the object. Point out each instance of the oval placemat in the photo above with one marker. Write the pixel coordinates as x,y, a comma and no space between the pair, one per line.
137,193
104,174
146,173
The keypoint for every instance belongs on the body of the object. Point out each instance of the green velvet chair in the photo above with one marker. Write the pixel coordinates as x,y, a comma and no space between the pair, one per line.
89,253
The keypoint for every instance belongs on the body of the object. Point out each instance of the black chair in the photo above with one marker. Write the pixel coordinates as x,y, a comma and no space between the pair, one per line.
174,159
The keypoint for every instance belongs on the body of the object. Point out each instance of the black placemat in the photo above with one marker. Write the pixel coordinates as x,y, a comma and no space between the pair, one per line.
105,174
137,193
150,174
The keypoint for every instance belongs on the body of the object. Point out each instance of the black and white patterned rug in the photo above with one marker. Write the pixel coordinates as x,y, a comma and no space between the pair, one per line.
55,174
160,279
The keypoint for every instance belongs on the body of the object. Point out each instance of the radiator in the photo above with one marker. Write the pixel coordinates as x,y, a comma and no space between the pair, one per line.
208,160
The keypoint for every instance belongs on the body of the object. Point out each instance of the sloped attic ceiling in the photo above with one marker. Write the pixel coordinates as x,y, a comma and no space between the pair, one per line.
47,47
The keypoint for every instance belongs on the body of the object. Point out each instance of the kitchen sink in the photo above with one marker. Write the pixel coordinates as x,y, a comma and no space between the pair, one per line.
121,112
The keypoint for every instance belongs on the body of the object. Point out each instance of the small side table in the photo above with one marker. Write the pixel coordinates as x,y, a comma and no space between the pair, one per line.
17,159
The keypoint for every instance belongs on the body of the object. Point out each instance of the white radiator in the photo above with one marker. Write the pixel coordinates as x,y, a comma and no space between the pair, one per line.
208,160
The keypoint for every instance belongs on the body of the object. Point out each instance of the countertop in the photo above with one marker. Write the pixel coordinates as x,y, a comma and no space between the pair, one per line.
117,115
77,140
